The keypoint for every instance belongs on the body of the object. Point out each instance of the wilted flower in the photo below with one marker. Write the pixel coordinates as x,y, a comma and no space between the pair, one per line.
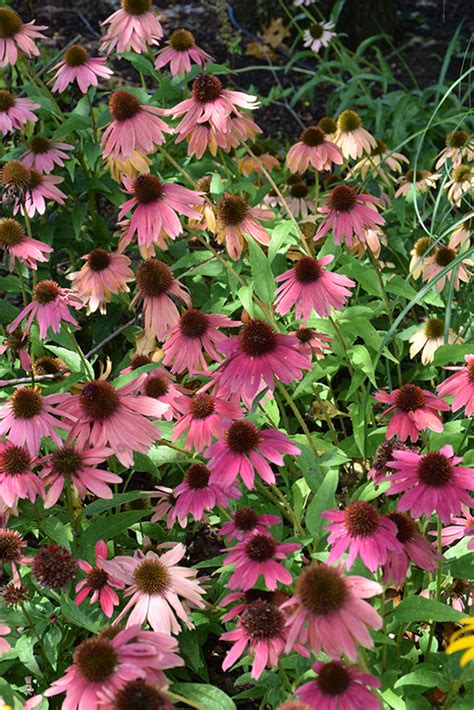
53,566
236,222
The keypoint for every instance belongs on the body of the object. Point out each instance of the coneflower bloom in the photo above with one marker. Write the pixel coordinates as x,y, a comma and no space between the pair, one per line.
77,66
245,449
198,494
318,35
156,206
415,548
462,234
195,332
180,53
139,693
159,290
135,127
349,213
249,164
439,258
16,343
212,103
245,521
132,28
160,385
328,612
415,409
367,534
240,129
461,385
417,180
104,274
261,627
384,454
159,589
429,338
309,286
38,190
15,112
352,139
49,307
259,554
459,148
4,645
135,164
105,663
80,468
379,162
16,37
421,248
53,567
313,149
17,480
17,245
43,155
460,527
236,222
460,184
339,687
433,482
29,416
299,199
12,547
98,583
255,357
115,417
312,342
205,417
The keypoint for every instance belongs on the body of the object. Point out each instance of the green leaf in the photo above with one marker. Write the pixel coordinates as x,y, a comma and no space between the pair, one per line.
7,311
361,357
420,609
208,696
107,528
76,616
122,380
98,506
57,531
262,274
462,568
217,186
71,359
279,237
140,63
449,354
323,500
422,676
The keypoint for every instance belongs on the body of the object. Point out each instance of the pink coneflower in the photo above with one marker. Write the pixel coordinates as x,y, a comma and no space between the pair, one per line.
459,147
312,342
38,190
416,181
11,551
236,222
77,66
461,385
212,103
313,149
4,645
339,687
259,554
180,53
243,600
383,455
132,28
15,112
245,521
135,127
459,528
29,416
105,663
49,307
433,482
415,548
17,480
329,612
159,589
261,626
80,469
240,129
195,332
415,409
367,534
246,449
156,206
104,274
352,139
299,199
349,213
18,245
309,286
98,583
439,259
255,357
197,494
43,155
249,164
16,37
160,385
138,693
117,418
318,35
159,290
205,417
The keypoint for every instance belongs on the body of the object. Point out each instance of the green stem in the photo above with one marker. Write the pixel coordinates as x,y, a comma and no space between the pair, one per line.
438,584
94,125
22,283
299,418
340,337
36,79
451,696
186,701
78,350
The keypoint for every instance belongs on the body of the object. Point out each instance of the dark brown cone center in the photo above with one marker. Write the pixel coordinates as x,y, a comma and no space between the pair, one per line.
202,406
99,400
242,437
361,519
435,470
322,590
260,547
409,398
257,338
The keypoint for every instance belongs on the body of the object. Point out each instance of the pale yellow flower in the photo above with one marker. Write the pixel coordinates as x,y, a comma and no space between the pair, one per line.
429,338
